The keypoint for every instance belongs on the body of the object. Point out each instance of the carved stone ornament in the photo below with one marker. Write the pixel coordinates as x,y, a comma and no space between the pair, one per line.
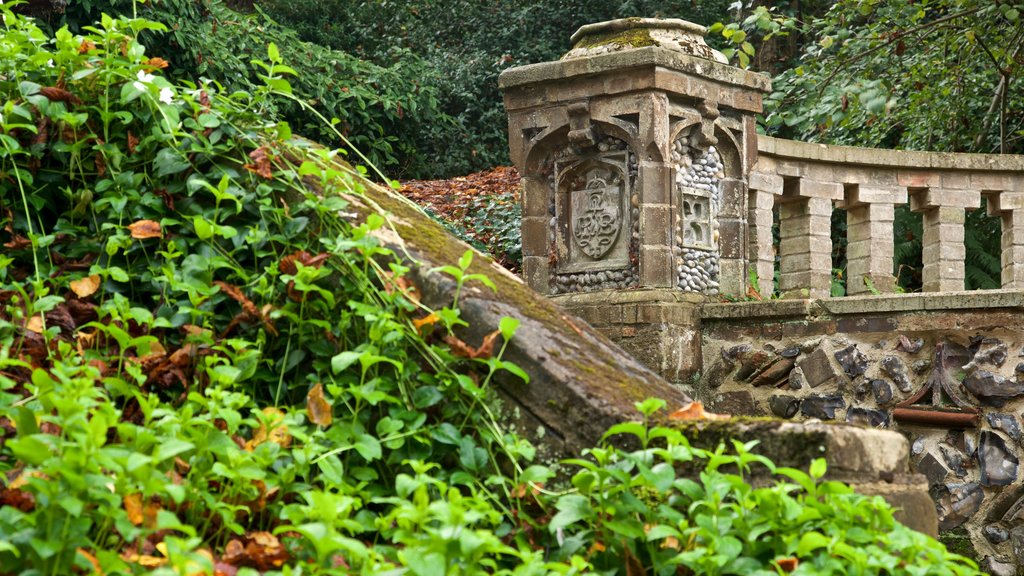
597,222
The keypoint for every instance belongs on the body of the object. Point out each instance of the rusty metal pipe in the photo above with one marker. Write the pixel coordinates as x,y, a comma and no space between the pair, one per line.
936,418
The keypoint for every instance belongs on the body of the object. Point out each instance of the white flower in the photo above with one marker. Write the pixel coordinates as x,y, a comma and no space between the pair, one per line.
144,79
166,95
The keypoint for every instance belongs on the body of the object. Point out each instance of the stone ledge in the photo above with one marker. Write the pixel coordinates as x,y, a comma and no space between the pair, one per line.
617,62
639,296
859,305
767,308
849,155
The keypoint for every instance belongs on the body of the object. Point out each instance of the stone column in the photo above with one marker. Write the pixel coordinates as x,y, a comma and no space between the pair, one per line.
657,263
805,230
943,214
762,190
1009,206
536,232
869,234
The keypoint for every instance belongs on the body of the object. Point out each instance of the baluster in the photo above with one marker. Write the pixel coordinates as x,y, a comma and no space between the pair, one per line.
869,233
805,230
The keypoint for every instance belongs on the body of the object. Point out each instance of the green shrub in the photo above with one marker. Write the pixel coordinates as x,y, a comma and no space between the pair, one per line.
206,361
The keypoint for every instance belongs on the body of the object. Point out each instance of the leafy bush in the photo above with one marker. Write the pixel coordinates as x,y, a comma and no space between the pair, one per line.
382,110
207,366
466,44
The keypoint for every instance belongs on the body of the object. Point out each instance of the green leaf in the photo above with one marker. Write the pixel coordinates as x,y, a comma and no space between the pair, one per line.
818,468
811,541
343,360
170,161
508,326
368,447
272,53
571,509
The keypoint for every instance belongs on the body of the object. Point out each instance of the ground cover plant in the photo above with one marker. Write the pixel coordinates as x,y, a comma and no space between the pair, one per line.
209,366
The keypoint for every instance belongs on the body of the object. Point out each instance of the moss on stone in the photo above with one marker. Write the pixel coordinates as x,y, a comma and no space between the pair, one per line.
958,541
631,38
793,447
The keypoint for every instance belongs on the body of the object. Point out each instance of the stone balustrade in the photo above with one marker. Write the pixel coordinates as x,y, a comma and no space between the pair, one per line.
805,182
642,168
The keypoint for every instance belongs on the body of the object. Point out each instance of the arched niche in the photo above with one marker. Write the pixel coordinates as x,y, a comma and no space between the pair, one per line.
594,212
697,194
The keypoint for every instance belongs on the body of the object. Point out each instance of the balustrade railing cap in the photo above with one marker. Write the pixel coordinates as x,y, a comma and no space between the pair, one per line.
627,33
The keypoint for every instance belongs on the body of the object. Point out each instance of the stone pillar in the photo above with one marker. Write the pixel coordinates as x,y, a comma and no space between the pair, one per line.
536,232
805,231
1009,206
654,183
943,214
869,235
732,239
762,190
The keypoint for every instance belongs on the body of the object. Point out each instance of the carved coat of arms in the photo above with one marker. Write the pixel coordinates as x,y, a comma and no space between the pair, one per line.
596,219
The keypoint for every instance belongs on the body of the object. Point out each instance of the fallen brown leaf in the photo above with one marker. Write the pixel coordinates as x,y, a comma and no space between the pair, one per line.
485,350
317,407
85,287
145,229
695,411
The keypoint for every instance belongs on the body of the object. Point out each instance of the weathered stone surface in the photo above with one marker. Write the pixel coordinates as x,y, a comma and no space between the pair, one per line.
1017,543
998,462
733,353
790,352
910,346
999,566
867,417
774,373
750,362
1006,422
992,389
933,469
896,370
921,366
955,459
853,361
991,351
817,368
784,406
996,533
797,380
956,503
823,407
882,392
737,403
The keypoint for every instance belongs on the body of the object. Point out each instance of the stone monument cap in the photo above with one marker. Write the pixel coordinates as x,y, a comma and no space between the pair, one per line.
627,33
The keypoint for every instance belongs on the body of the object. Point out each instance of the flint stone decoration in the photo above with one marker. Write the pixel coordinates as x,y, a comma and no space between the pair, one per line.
1006,422
990,351
817,368
882,392
784,406
853,361
957,503
797,380
867,417
996,533
910,346
955,459
735,352
896,370
992,389
997,461
823,407
790,352
933,469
